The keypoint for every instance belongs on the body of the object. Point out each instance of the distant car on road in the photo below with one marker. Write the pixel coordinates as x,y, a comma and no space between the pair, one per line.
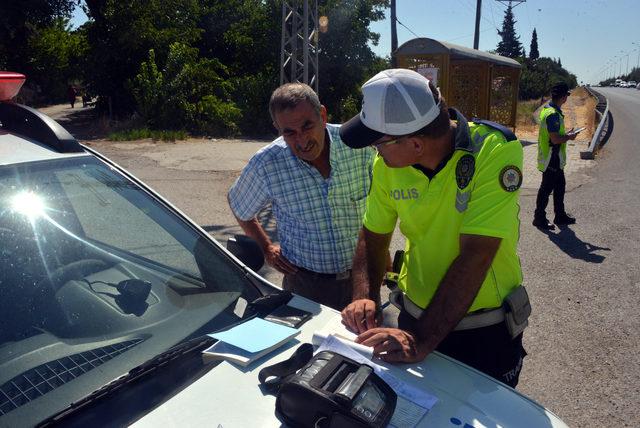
632,84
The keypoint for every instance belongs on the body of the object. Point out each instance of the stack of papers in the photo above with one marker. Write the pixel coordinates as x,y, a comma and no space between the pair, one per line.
248,341
337,330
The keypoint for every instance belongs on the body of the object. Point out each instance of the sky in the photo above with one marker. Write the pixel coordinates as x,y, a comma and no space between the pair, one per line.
591,37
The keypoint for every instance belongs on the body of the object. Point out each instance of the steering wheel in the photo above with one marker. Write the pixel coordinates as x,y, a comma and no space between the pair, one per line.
44,292
74,270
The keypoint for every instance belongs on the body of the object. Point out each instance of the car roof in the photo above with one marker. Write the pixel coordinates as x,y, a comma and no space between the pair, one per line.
15,149
27,135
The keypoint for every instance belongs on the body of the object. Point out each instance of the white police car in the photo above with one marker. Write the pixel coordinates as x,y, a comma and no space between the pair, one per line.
107,293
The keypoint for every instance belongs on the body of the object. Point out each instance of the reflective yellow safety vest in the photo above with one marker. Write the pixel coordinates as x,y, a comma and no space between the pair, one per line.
476,193
544,143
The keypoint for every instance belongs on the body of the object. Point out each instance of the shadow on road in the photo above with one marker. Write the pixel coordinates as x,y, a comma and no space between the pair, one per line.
608,131
84,124
265,218
574,247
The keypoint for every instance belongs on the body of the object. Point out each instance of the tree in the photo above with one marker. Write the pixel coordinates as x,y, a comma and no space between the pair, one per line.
537,78
20,23
510,45
120,35
189,93
533,50
239,39
244,35
346,60
56,55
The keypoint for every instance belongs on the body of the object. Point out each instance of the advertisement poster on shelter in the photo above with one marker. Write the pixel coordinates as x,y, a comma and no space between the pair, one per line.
430,73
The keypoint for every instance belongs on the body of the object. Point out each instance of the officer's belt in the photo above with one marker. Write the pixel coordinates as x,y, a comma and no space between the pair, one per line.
478,319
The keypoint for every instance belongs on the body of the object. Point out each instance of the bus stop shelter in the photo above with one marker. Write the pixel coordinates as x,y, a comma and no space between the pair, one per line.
477,83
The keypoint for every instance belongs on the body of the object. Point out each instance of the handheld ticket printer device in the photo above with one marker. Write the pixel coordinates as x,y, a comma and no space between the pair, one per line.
332,391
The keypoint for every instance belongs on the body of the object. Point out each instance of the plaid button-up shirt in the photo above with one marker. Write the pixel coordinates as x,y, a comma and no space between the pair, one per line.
318,219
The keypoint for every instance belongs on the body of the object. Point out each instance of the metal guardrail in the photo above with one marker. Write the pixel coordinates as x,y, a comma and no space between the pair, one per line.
602,109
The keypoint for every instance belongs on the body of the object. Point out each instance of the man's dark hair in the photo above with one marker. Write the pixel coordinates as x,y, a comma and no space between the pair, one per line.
559,91
556,98
289,95
440,125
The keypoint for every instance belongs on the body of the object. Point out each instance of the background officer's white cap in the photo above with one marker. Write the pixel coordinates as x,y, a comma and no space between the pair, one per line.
395,102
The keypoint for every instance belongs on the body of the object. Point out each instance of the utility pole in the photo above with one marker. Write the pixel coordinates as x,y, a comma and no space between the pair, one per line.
394,35
299,42
628,62
476,37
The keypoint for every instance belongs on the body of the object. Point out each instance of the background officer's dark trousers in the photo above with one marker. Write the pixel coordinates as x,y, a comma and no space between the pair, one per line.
552,181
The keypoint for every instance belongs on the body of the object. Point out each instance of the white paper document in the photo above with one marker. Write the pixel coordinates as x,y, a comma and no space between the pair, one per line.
319,338
407,414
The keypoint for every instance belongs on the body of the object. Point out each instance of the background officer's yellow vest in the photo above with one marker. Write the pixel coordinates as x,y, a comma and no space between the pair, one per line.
544,144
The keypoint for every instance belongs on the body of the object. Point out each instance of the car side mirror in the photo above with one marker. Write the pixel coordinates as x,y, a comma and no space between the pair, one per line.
247,250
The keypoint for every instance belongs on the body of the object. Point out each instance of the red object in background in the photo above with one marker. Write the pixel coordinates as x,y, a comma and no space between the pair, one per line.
10,84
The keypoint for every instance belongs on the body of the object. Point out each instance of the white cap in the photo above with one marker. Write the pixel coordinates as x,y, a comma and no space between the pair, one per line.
394,102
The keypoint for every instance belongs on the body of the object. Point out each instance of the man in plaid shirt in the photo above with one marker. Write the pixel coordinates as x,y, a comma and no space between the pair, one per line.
317,187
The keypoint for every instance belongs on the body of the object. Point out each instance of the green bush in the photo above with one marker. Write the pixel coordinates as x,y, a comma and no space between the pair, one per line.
252,94
215,117
189,94
142,133
538,76
532,84
148,90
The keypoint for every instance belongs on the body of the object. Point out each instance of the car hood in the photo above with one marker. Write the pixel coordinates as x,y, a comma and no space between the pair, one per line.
230,396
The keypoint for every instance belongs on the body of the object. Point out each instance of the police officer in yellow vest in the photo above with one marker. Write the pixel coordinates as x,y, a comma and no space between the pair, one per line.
454,186
552,157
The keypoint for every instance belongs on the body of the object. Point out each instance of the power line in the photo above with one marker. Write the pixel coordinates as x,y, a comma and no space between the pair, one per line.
410,30
528,16
517,2
472,10
468,35
492,17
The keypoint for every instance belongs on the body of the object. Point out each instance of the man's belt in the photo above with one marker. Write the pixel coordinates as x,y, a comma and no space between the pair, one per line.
329,276
478,319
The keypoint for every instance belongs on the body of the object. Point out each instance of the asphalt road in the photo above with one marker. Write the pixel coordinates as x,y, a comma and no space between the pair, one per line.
584,281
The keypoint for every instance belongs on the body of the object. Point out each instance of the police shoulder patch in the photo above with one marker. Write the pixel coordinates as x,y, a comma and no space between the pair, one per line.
510,178
464,170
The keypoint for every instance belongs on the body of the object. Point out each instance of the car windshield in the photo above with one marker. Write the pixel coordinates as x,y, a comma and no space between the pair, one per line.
97,273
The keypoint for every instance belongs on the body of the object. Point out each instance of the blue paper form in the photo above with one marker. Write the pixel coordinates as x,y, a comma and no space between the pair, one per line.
255,335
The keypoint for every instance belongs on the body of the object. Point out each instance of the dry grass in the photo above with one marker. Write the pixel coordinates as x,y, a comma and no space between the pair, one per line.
578,112
526,125
582,107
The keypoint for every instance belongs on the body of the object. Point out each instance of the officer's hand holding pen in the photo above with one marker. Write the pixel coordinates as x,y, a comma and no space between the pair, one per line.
360,315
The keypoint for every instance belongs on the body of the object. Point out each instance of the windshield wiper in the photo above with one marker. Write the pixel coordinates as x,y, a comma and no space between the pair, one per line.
193,345
259,307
